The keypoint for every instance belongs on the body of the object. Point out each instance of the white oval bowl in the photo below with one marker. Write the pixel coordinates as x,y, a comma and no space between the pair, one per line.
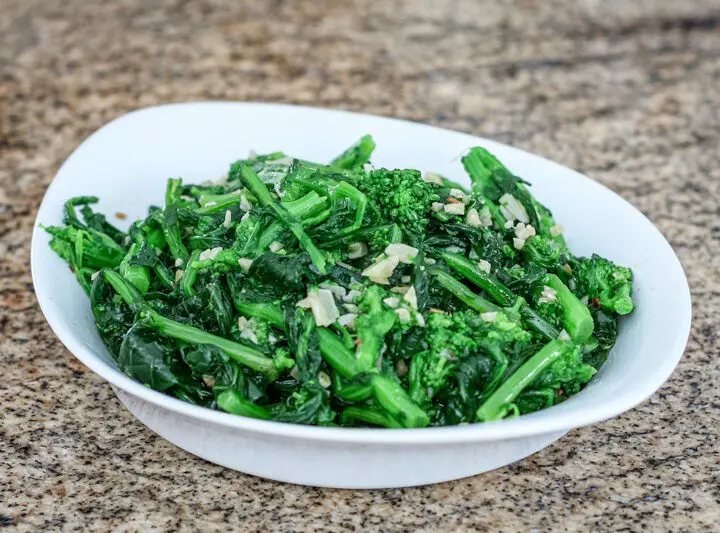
126,164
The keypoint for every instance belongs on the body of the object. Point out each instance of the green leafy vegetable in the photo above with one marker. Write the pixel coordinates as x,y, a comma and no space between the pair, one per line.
349,295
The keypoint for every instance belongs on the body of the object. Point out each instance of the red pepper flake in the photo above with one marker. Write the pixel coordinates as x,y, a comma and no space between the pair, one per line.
358,342
452,200
595,302
120,215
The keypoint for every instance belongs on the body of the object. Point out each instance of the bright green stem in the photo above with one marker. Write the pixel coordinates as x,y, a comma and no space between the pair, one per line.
498,404
261,192
418,393
190,275
305,209
351,392
355,156
138,275
266,311
164,275
244,355
459,290
577,319
171,230
127,291
370,416
393,398
221,203
336,354
337,189
232,401
173,191
470,271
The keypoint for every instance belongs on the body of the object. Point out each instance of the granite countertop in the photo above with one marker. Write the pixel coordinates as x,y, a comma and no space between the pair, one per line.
625,92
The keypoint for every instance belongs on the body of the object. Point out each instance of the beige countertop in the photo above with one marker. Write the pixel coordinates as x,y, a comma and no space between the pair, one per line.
626,92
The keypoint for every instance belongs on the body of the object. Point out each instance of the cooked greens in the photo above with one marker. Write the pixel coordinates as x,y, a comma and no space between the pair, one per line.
349,295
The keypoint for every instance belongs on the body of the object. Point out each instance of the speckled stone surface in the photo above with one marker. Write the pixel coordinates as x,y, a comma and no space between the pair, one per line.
626,92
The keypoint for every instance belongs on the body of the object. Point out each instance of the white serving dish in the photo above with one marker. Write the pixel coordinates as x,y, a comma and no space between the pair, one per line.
126,164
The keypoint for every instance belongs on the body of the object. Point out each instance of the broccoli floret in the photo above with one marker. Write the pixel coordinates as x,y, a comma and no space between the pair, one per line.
401,196
451,338
568,373
605,283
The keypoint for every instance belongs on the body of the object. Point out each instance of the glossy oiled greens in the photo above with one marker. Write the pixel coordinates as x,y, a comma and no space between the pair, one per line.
345,294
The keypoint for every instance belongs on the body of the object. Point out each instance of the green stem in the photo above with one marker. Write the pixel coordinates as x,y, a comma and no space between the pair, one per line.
369,415
261,192
232,401
577,320
336,354
244,355
459,290
470,271
266,311
498,404
393,398
190,275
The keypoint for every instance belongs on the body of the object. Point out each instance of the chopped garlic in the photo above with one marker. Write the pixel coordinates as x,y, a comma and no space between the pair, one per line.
94,275
245,263
402,289
406,254
485,217
392,301
245,216
367,167
178,262
473,218
564,336
556,230
420,320
350,308
489,317
347,320
304,303
454,209
518,243
548,295
276,246
457,193
228,219
322,304
357,249
523,231
437,206
210,204
411,298
485,266
350,296
210,254
405,279
380,280
509,224
430,261
245,204
567,268
401,368
179,274
514,207
337,290
382,268
242,323
403,314
324,380
431,177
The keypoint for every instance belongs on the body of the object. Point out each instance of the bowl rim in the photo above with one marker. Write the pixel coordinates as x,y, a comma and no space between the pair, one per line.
524,426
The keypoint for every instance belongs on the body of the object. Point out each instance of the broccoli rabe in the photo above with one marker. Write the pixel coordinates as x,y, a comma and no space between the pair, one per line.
342,294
